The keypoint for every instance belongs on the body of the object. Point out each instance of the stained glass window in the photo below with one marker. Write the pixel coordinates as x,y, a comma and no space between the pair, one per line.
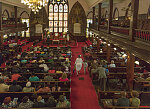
55,29
60,24
60,8
65,23
55,23
56,8
51,29
55,16
65,29
51,23
65,8
65,16
50,16
58,15
50,8
60,29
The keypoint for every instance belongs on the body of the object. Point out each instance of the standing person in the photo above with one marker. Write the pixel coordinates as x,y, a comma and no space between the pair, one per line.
85,64
102,77
78,64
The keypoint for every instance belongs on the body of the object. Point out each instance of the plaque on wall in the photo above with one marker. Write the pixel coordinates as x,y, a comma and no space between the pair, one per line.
38,28
77,28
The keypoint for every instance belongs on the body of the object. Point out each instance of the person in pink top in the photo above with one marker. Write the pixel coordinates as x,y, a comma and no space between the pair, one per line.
15,77
64,77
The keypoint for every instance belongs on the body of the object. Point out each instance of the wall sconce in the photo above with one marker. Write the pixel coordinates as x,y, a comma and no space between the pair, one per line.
108,44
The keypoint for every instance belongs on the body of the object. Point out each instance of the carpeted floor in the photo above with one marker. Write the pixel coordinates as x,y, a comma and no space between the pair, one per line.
83,95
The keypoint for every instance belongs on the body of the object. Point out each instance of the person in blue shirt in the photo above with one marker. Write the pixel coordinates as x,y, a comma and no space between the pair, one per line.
33,78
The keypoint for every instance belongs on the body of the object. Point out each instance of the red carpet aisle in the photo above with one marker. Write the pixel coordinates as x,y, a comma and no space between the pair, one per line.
83,95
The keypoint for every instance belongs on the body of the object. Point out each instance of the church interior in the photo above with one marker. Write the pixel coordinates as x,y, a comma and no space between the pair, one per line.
75,54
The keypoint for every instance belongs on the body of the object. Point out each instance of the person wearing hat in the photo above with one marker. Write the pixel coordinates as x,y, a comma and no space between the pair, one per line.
7,103
78,64
28,88
39,103
26,103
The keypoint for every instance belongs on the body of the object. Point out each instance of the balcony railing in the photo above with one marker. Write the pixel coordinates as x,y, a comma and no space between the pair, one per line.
120,30
142,34
13,25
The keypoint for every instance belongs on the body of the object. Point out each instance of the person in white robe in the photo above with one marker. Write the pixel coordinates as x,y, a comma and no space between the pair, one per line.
78,64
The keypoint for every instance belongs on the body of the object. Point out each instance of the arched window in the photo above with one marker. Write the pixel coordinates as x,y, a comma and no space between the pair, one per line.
58,15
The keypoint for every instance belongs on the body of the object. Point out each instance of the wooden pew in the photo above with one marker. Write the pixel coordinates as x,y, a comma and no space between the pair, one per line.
144,96
119,107
46,95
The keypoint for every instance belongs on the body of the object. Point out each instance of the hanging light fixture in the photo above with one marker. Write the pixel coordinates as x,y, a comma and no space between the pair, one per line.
35,5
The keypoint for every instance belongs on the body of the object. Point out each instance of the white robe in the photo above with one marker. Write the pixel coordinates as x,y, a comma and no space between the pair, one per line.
78,64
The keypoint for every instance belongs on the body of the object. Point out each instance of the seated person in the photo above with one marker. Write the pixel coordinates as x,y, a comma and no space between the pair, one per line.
48,78
33,78
23,60
51,102
3,87
39,103
46,68
123,101
59,70
28,88
139,77
135,101
26,103
7,103
64,77
14,87
105,63
4,77
41,60
112,64
15,76
44,89
63,102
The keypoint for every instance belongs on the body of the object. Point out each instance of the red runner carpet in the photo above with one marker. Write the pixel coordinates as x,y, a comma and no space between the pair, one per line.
83,95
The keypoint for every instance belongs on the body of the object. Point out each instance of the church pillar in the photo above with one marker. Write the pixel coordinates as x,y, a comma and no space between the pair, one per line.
130,70
110,15
16,37
0,15
93,15
133,20
99,15
24,34
1,36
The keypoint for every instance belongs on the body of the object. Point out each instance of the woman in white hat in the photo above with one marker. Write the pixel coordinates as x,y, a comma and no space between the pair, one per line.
78,64
28,88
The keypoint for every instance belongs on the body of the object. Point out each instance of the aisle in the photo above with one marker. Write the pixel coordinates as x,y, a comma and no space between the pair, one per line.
83,95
